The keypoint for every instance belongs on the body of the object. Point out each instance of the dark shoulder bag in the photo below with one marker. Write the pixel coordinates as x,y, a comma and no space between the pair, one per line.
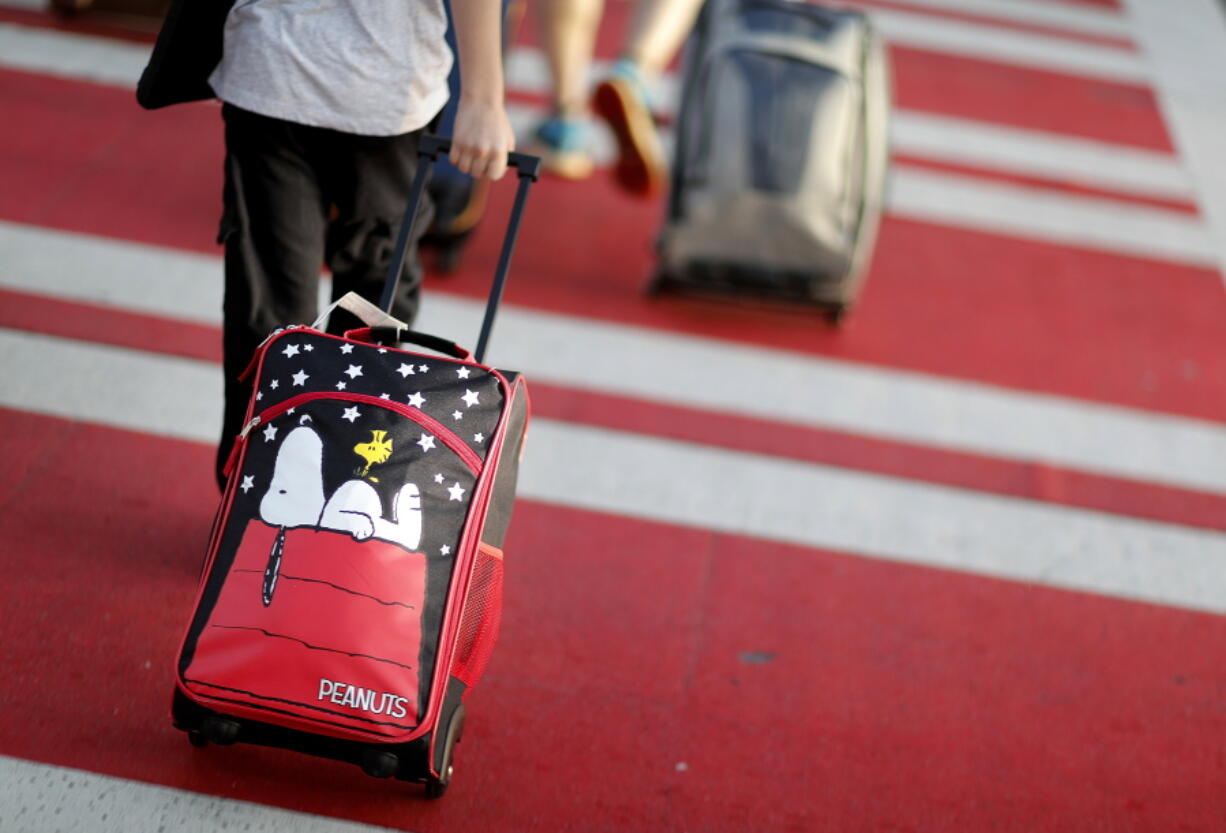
187,50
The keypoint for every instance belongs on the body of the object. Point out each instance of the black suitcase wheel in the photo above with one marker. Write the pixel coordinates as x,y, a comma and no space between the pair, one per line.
197,739
436,785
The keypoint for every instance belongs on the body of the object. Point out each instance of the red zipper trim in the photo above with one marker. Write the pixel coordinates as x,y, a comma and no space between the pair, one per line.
423,419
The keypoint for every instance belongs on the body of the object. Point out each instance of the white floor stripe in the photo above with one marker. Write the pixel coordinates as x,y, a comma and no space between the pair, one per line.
40,798
1185,44
691,485
1059,15
1010,46
679,369
78,57
1049,216
1068,159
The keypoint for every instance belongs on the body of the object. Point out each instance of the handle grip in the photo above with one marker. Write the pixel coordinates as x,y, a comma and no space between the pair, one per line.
434,146
399,335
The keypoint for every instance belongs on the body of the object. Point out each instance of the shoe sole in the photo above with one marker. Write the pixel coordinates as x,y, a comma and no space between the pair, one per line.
564,164
640,167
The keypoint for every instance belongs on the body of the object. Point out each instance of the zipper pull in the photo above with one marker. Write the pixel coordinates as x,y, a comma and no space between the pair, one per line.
232,458
242,435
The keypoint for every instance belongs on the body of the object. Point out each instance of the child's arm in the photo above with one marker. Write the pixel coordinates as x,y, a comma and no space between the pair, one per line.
482,136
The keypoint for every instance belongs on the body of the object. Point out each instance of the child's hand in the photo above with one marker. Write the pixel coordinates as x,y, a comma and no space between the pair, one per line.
482,139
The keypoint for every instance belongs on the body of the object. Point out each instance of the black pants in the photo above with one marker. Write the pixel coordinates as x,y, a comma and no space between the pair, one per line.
296,198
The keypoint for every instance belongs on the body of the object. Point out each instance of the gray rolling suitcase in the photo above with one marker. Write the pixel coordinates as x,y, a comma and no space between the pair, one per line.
781,155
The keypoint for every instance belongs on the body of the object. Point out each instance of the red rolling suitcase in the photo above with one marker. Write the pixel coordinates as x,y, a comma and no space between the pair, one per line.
352,588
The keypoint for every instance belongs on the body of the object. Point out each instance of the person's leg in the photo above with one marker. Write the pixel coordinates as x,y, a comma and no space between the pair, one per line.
568,37
367,179
657,32
659,29
272,228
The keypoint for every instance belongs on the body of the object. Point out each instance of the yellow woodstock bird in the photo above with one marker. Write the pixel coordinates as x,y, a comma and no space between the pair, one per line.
378,450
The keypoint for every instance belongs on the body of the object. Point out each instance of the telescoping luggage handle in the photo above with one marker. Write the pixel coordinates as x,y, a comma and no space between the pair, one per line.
428,150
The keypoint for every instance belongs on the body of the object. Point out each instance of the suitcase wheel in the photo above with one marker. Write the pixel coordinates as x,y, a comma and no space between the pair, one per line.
219,730
378,764
197,739
437,787
836,313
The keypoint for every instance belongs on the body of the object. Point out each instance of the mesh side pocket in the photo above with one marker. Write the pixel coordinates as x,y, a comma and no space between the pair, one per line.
482,615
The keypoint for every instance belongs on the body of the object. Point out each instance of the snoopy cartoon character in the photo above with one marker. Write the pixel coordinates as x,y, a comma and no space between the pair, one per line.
295,498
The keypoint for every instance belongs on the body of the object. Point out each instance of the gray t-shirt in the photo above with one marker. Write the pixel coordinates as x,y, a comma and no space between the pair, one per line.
372,67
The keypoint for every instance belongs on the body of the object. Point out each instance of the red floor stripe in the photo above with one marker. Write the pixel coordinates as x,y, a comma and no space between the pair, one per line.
1069,186
648,677
947,301
983,473
107,325
1030,98
1006,311
1012,478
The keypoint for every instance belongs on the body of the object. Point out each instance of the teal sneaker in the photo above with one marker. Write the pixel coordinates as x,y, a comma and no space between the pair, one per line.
562,143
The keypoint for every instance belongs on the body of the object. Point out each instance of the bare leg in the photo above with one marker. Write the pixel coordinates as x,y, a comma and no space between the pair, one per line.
568,35
657,32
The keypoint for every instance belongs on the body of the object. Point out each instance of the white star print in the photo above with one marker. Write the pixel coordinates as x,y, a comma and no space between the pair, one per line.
308,347
423,367
274,384
438,478
405,370
346,348
385,396
351,414
354,371
417,400
270,433
426,442
290,351
248,483
382,350
446,550
478,438
457,414
462,372
291,411
456,492
470,397
340,385
300,378
259,395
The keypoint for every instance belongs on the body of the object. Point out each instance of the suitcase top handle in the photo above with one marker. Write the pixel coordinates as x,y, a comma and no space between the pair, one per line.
432,146
429,148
